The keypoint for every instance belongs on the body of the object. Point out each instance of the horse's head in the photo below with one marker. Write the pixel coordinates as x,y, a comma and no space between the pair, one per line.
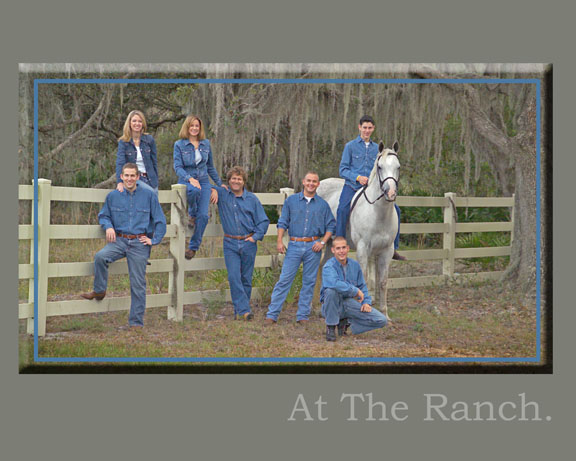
387,171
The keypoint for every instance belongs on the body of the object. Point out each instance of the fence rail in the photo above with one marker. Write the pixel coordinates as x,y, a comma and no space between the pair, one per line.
176,266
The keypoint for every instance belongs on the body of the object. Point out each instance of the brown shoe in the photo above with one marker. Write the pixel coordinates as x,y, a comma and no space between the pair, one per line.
190,254
269,321
247,316
94,295
302,322
398,257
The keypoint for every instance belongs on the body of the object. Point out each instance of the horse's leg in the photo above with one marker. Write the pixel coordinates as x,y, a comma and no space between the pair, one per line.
384,259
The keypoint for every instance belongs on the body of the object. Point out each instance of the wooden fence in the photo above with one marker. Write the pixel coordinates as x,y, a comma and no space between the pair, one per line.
177,232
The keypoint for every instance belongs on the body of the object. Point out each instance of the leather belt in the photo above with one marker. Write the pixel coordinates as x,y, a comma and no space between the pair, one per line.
239,237
130,237
304,239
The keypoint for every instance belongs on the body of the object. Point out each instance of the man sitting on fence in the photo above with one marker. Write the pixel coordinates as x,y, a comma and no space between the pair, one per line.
244,223
125,217
344,295
310,223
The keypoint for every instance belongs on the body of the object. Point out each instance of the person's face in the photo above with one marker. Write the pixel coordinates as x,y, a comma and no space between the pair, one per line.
366,130
340,250
130,176
310,183
194,128
236,183
136,124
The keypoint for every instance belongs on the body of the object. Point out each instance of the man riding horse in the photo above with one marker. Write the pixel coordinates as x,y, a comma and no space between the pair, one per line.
357,162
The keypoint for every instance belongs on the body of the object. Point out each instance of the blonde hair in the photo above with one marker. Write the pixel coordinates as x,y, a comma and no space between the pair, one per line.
186,125
127,131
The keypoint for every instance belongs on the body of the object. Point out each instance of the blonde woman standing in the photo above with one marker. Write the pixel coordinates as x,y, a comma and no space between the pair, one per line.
137,146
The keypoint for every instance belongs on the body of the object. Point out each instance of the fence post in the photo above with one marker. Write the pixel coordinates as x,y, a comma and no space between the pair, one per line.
44,197
287,191
449,235
179,218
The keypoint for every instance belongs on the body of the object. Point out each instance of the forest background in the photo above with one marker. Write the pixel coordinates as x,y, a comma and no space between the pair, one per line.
474,139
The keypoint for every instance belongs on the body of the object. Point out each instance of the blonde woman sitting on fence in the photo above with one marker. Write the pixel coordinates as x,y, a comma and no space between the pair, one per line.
125,217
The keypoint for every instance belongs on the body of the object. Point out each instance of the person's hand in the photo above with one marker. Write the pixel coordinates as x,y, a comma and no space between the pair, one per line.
317,246
250,239
145,240
280,247
195,183
366,308
110,235
214,196
359,296
120,187
363,180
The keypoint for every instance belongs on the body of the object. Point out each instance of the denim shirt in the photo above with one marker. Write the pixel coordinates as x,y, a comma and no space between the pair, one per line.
306,219
127,154
185,162
346,280
357,160
242,215
131,213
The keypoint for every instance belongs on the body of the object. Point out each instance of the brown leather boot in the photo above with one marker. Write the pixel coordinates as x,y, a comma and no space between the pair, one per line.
190,254
94,295
398,257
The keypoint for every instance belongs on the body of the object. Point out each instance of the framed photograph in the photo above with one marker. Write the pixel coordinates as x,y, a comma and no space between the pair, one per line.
370,218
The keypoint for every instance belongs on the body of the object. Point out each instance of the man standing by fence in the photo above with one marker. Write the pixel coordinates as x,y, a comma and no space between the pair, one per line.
125,217
344,295
310,224
244,223
356,165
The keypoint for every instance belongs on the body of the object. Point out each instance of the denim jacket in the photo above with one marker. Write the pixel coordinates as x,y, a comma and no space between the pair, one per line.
185,162
131,213
306,219
357,160
346,280
127,154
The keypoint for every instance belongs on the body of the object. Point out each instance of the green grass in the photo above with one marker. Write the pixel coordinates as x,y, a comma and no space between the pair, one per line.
459,321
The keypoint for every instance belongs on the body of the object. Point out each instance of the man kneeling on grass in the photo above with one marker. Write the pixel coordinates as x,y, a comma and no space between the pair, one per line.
344,295
125,217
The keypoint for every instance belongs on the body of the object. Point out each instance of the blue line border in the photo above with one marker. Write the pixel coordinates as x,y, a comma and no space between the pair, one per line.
534,359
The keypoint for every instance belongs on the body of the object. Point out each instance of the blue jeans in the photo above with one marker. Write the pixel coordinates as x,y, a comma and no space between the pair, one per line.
336,307
137,255
239,257
199,206
343,213
297,252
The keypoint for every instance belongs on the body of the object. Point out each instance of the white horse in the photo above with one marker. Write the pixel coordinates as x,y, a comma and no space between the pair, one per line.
373,222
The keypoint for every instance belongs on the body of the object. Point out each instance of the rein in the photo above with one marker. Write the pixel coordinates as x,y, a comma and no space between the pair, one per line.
381,181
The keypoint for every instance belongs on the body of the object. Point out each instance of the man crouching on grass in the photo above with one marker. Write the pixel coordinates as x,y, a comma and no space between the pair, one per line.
344,295
125,217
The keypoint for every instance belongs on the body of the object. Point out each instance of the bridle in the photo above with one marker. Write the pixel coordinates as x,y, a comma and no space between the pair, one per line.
380,180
